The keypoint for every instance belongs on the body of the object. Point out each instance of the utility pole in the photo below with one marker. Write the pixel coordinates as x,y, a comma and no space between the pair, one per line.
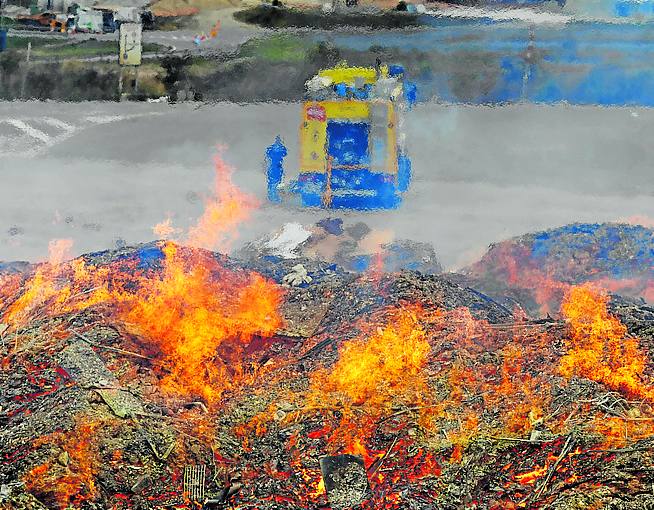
25,71
529,58
120,84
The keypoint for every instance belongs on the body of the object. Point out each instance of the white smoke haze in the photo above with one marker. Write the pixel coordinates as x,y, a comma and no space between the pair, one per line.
481,175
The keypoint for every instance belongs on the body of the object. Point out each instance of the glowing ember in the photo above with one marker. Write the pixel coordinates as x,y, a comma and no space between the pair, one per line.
531,477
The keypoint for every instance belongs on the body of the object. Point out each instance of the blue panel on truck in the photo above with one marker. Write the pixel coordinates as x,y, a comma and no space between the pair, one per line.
351,189
348,142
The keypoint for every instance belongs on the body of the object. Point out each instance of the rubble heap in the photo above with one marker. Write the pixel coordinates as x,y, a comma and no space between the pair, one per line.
163,376
535,270
353,246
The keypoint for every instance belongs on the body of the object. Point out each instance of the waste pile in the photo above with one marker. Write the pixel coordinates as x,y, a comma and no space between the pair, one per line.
169,375
354,247
164,376
535,270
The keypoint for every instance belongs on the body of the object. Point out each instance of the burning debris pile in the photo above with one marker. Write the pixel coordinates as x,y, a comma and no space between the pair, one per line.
169,376
536,270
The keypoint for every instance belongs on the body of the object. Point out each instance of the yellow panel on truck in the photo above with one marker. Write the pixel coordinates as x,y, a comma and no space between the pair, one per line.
349,75
346,110
313,136
313,129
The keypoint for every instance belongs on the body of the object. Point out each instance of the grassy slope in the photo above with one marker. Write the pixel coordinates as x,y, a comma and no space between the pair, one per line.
277,48
46,48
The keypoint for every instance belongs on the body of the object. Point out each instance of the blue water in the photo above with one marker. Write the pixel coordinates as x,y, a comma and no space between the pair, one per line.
486,62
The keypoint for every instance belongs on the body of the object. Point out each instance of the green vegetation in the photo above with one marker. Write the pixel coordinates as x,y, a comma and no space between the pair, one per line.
45,47
277,48
6,22
60,81
150,84
154,48
90,48
202,67
20,42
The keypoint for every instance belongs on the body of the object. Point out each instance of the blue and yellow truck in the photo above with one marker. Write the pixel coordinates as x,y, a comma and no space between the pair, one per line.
351,150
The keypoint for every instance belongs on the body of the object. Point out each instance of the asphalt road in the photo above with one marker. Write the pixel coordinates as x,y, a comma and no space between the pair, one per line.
104,173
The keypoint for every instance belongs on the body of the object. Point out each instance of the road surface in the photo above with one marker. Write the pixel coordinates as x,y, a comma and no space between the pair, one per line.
104,173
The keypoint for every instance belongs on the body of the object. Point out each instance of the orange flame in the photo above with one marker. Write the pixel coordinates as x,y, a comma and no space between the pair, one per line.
531,477
373,373
201,317
599,348
195,317
165,229
224,210
59,250
71,482
375,369
58,287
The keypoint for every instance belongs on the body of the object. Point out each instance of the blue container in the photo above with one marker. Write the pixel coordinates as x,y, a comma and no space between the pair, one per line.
3,39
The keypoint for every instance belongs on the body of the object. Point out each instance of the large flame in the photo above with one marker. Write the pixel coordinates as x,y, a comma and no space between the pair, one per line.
599,348
194,317
377,368
200,317
374,372
225,209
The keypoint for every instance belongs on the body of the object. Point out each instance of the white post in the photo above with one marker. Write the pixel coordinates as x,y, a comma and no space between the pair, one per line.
120,84
27,64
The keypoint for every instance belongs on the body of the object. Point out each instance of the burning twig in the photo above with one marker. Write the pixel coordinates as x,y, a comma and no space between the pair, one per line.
574,411
82,293
383,457
520,440
569,443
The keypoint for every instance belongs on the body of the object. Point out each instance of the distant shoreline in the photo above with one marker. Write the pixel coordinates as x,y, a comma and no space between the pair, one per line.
275,17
